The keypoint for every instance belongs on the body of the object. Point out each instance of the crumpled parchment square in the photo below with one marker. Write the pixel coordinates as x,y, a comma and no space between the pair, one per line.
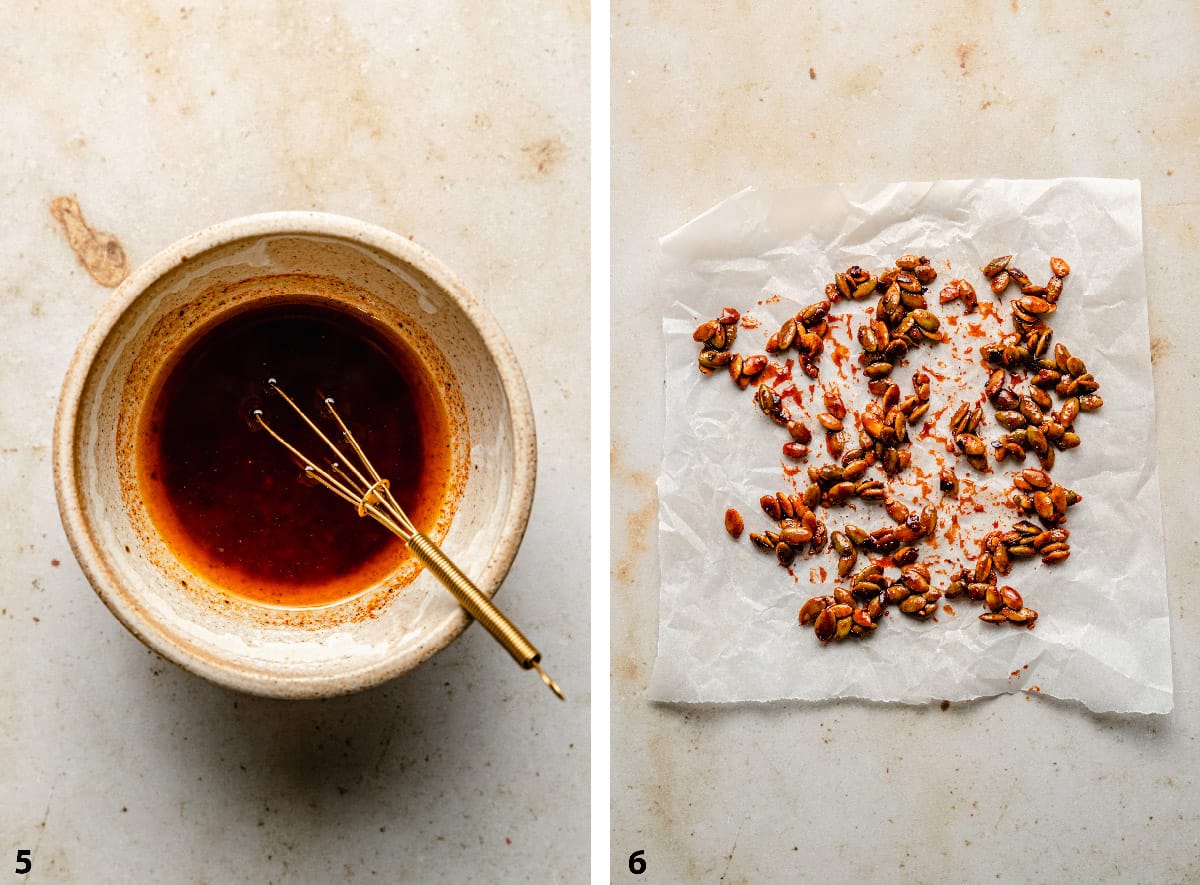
728,613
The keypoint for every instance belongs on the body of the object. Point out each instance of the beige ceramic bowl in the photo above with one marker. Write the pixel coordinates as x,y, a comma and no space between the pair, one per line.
392,626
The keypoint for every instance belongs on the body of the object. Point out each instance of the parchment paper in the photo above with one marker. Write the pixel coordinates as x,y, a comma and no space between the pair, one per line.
728,613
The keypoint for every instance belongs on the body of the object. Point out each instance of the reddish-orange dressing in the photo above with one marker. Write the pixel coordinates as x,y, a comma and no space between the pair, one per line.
776,373
231,502
952,531
989,311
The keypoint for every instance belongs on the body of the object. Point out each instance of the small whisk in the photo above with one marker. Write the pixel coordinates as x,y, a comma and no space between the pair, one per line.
371,495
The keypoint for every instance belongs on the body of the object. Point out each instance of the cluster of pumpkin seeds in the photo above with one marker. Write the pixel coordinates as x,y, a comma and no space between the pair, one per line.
1003,603
1029,416
1000,549
798,526
902,322
805,332
885,421
837,616
716,339
1001,275
900,541
1038,493
1025,541
964,428
801,436
1032,425
902,318
832,422
870,591
857,611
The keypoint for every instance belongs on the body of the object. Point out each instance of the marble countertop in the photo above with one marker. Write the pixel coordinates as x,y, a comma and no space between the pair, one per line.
468,131
707,101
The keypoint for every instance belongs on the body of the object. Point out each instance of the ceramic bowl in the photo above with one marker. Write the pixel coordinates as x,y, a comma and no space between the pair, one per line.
391,626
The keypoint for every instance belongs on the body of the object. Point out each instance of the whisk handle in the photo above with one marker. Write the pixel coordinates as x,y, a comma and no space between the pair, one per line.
472,599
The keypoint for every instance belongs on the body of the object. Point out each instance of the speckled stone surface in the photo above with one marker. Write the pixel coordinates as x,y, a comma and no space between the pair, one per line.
463,127
1015,788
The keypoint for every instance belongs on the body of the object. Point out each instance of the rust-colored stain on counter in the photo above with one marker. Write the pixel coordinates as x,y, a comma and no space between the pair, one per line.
638,528
100,252
545,154
963,52
639,525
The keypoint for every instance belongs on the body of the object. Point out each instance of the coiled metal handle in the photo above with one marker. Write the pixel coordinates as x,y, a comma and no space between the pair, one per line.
479,606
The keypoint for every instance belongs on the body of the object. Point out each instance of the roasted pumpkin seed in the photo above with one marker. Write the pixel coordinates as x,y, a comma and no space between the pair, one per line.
784,553
734,524
1018,276
829,422
825,625
799,432
795,451
996,265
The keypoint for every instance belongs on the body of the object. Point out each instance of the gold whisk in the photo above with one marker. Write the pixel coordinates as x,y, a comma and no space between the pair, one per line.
371,494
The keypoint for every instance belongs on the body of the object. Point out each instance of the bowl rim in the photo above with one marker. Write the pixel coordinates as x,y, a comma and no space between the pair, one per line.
84,542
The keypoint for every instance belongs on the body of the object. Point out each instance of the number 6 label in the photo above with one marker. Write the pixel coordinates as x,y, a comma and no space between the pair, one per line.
637,863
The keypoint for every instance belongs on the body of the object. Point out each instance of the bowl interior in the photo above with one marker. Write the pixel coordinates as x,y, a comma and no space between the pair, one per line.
394,624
